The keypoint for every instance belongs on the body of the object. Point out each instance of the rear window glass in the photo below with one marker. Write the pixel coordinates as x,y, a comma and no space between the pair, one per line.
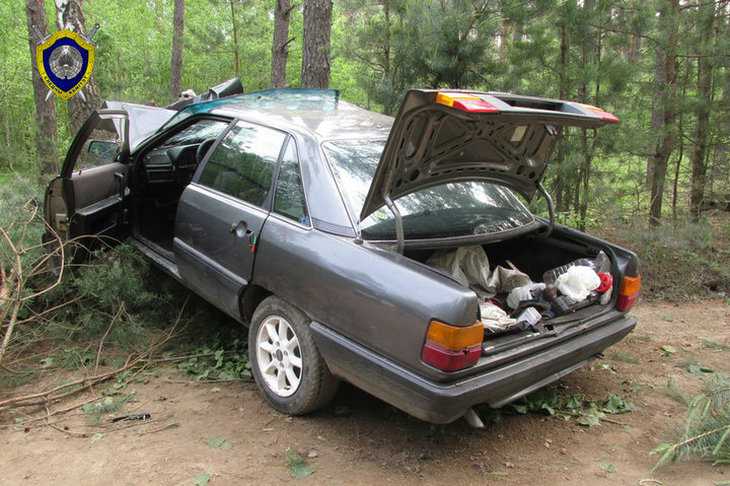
451,209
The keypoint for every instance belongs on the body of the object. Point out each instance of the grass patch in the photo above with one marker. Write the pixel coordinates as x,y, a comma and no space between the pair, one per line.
683,261
714,345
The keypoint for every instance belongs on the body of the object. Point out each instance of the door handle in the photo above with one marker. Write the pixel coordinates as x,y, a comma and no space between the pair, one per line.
240,229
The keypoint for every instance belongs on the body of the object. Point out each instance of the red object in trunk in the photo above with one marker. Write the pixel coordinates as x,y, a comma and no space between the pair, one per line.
606,282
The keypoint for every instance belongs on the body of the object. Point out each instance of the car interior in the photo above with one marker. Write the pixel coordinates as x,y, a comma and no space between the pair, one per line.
163,172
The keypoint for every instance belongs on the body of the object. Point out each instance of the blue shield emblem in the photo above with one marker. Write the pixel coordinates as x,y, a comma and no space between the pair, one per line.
65,61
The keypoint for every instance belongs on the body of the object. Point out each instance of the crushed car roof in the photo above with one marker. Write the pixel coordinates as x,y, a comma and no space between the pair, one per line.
319,111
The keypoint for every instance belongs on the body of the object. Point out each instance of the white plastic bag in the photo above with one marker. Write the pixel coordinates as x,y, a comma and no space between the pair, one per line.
469,265
578,282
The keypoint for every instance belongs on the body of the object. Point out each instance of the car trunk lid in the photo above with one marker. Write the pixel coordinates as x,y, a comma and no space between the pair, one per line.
442,136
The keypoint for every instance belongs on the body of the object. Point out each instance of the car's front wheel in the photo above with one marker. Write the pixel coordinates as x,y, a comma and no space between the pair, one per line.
286,364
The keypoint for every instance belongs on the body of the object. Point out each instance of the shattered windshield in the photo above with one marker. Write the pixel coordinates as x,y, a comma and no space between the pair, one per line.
451,209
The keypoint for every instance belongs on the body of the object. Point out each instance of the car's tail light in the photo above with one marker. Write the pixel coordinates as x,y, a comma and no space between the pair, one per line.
451,348
466,102
629,293
602,114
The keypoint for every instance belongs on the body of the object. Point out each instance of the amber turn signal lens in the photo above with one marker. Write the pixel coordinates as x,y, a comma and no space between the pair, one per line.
630,285
453,337
629,293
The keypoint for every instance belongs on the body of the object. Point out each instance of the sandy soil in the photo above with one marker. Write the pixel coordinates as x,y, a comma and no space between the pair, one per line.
361,440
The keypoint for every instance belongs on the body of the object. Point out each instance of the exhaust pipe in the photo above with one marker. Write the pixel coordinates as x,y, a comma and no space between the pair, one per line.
473,419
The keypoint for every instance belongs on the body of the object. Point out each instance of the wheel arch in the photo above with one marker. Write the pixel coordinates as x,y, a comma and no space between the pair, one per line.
251,296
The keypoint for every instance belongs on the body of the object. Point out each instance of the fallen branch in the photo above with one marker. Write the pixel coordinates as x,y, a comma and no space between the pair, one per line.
106,333
43,398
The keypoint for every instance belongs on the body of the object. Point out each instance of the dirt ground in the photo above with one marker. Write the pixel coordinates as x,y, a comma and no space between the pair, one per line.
361,440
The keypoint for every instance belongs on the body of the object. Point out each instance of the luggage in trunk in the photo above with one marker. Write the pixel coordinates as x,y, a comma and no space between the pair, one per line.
527,284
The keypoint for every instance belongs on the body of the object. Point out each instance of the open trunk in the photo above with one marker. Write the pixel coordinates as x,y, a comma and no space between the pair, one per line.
534,254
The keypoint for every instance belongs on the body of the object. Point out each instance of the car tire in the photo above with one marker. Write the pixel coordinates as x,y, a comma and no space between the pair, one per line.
302,389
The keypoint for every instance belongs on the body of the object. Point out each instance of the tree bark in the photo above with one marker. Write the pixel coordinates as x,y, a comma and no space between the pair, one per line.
560,201
70,15
665,104
316,52
176,61
590,54
45,111
280,43
680,149
705,67
236,57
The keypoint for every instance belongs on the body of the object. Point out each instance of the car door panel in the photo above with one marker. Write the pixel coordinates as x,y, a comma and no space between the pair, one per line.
221,213
97,183
89,196
215,244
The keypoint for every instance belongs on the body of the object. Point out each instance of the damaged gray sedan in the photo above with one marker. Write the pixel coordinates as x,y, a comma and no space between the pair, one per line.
396,254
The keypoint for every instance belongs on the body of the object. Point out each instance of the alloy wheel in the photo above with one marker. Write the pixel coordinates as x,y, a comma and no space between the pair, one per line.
279,356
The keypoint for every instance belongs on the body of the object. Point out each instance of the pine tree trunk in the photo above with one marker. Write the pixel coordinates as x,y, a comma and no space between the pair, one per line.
560,201
79,108
665,103
680,148
705,67
280,44
236,57
176,61
588,57
316,53
45,111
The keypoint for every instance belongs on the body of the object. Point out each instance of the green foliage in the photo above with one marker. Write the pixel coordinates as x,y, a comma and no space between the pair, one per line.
714,345
21,203
298,466
95,411
585,412
218,363
706,431
678,261
219,443
201,479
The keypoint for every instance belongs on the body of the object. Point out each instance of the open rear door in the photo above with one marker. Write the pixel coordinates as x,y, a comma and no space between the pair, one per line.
90,196
442,136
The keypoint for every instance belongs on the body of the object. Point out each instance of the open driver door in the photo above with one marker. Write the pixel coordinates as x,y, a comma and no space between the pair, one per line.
90,197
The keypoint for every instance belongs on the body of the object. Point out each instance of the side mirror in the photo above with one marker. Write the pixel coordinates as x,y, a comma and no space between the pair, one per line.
103,149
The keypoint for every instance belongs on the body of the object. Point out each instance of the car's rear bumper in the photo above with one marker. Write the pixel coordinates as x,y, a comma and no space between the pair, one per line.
446,402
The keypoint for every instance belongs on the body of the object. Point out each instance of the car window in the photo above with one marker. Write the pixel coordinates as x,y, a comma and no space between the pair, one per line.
195,134
289,200
242,165
452,209
198,132
100,149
